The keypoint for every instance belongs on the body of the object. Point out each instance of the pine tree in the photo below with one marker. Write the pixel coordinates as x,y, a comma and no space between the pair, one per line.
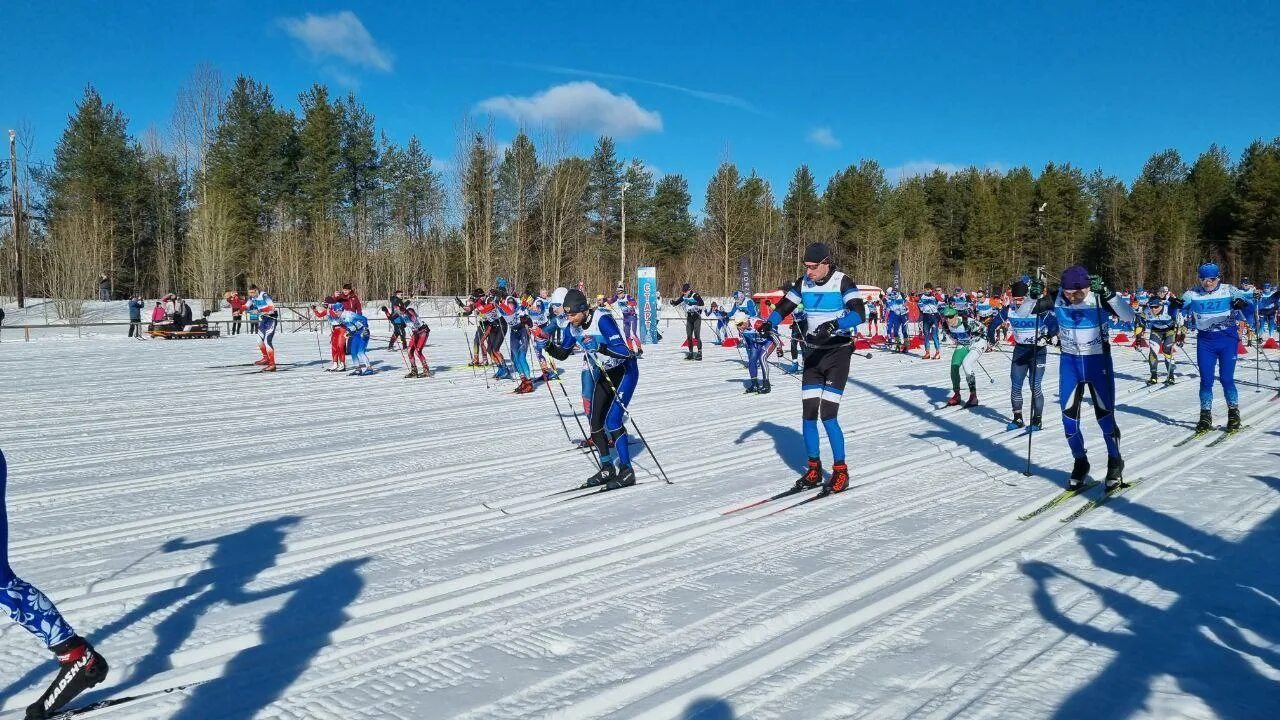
670,230
1211,186
604,190
726,216
802,211
519,177
1256,235
320,171
360,164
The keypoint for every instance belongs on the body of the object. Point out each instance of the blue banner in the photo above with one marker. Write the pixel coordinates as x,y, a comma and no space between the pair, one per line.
647,303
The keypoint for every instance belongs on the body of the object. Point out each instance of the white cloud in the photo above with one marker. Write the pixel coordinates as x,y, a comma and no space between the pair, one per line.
823,137
340,35
715,97
577,106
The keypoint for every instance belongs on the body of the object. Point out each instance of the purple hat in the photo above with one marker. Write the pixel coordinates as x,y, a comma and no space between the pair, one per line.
1075,278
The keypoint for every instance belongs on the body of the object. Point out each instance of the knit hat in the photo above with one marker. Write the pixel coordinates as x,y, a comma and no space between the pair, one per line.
1075,278
575,302
817,252
1019,289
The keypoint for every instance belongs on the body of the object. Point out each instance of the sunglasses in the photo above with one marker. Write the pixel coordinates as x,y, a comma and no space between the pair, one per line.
815,266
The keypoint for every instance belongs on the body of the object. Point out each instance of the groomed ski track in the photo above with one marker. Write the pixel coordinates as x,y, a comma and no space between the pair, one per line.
422,510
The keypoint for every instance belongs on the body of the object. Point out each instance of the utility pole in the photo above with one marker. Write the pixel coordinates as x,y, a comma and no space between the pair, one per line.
17,216
622,262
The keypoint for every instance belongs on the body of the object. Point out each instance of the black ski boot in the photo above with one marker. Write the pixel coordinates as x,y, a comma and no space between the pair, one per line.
1153,379
626,477
1115,473
697,355
812,477
604,476
79,668
764,388
412,373
1233,418
1206,421
751,387
1079,473
1035,424
1169,380
1016,423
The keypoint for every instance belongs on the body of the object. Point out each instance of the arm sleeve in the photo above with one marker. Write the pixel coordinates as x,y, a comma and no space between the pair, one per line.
854,306
786,305
614,346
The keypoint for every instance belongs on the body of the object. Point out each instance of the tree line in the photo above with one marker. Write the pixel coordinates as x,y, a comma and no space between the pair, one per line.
240,189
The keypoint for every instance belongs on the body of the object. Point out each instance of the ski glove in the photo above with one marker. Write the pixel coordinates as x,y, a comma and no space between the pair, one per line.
557,352
766,328
1239,304
1036,288
1099,287
1176,303
823,332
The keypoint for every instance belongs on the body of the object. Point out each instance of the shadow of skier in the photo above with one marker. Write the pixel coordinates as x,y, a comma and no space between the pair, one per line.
709,708
1211,640
788,443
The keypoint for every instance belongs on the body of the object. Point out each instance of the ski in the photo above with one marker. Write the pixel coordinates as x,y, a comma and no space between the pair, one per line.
758,503
818,496
599,489
1194,436
112,702
1226,434
1058,499
1100,500
279,368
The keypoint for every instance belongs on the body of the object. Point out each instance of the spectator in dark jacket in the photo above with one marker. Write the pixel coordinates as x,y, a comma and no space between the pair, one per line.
104,288
135,317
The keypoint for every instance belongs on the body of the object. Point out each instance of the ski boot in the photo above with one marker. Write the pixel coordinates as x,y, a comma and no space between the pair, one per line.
1152,380
269,368
688,355
752,387
1078,473
1035,424
811,478
697,355
764,388
1115,473
1016,423
586,443
973,398
1233,418
80,667
1206,421
954,400
412,373
1169,380
525,386
261,361
368,371
604,476
626,477
839,480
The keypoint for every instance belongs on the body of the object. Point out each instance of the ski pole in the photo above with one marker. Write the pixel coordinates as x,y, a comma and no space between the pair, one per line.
577,420
978,360
630,417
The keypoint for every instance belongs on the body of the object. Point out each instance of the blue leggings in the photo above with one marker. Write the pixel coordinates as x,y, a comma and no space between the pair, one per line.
613,392
24,603
1217,348
357,346
520,350
929,327
758,357
1266,321
1075,373
267,332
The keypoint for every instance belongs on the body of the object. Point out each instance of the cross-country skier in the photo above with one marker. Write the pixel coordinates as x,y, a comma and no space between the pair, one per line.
758,347
970,339
616,374
742,303
1217,339
1267,301
1032,323
419,331
331,312
80,667
986,310
262,304
928,304
1085,362
358,341
625,305
721,320
960,301
896,320
396,322
692,304
1160,325
834,309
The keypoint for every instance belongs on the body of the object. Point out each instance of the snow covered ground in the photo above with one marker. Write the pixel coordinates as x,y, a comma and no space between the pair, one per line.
305,545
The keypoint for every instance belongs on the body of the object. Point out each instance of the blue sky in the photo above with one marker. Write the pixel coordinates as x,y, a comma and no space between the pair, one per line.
684,85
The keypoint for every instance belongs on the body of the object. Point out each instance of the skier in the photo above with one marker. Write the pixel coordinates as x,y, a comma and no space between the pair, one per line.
744,304
541,329
1217,338
873,316
986,310
758,346
616,374
896,320
970,340
1032,324
80,667
692,304
1267,310
357,326
1086,362
960,302
332,312
517,316
721,326
1161,327
834,311
262,304
396,322
419,332
625,305
928,304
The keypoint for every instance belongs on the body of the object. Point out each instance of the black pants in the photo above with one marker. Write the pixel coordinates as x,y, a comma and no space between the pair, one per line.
235,324
135,328
693,331
826,370
397,332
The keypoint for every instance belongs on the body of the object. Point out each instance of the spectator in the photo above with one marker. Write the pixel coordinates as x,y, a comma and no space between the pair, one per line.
237,310
135,316
350,300
104,288
157,316
1,316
